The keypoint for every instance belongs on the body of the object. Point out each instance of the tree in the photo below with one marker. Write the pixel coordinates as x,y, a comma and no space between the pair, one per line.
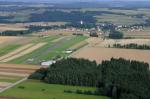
115,34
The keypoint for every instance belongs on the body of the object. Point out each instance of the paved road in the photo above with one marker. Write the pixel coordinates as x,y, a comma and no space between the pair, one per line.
14,84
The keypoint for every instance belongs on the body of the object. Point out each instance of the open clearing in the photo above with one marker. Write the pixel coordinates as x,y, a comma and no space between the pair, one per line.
100,54
33,90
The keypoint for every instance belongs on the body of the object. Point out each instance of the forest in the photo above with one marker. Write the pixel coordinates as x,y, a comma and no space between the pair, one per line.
117,78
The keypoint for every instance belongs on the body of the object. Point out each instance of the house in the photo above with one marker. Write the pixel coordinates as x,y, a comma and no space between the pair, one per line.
93,33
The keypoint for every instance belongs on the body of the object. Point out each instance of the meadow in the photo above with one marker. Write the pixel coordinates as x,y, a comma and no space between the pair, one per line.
39,90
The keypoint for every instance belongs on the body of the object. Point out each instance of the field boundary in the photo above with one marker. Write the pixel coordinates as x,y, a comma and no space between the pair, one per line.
14,84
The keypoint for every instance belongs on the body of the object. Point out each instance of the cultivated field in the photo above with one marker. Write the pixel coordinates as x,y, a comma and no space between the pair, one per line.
110,42
92,41
25,52
100,54
22,51
8,40
11,73
8,55
56,46
34,90
8,48
64,32
145,33
11,27
42,23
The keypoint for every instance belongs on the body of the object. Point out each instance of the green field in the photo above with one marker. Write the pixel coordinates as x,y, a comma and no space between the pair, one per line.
6,49
34,90
51,50
10,79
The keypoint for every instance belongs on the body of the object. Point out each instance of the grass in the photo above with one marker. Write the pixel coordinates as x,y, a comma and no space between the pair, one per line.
11,79
50,50
33,90
6,49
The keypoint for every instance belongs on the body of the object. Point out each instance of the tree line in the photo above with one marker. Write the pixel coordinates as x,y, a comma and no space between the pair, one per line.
132,46
117,78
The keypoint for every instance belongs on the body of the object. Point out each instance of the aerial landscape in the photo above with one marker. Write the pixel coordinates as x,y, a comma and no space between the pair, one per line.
67,49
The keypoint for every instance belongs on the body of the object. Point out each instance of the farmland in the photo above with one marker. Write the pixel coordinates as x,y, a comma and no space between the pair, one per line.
110,42
10,27
7,39
119,19
13,40
100,50
100,54
7,49
39,49
32,34
11,73
145,33
50,50
51,91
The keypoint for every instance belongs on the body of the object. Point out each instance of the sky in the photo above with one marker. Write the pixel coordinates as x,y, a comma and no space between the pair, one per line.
53,1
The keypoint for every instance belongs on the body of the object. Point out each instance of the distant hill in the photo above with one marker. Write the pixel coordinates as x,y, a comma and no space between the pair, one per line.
64,1
87,3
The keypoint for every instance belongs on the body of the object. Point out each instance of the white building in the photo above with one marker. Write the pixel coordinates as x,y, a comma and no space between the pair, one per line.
48,63
81,22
